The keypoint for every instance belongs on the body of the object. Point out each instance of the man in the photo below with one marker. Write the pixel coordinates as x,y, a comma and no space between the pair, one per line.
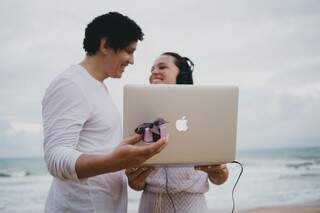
83,146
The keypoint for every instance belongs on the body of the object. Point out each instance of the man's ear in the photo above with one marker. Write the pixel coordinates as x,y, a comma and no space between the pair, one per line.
104,46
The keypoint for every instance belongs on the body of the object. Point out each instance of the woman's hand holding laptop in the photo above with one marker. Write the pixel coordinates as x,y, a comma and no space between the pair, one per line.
137,177
217,174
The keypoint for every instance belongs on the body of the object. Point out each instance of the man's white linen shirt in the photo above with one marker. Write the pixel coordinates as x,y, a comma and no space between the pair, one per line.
79,117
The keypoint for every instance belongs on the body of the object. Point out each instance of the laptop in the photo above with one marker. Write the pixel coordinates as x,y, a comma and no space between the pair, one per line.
202,121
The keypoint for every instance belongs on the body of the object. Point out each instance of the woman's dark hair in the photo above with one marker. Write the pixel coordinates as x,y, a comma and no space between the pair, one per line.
119,30
185,66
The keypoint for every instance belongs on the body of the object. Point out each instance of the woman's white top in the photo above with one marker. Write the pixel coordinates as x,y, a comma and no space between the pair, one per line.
177,180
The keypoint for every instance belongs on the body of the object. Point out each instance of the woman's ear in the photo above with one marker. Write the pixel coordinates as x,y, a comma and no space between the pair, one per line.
104,46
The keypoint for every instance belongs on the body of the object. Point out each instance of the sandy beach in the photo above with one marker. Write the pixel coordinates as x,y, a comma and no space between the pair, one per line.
307,208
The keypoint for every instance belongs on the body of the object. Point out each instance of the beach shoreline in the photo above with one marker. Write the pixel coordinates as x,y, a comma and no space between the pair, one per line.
270,183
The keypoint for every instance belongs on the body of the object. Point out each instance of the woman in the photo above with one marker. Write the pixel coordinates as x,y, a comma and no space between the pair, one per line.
174,189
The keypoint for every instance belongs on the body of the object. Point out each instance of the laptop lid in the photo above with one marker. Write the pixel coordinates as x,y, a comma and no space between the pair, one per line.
202,121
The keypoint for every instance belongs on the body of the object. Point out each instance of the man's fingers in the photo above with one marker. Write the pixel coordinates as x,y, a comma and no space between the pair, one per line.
145,151
133,139
159,145
154,148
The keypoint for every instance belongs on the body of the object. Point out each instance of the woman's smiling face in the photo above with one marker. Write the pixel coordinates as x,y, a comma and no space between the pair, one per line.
164,71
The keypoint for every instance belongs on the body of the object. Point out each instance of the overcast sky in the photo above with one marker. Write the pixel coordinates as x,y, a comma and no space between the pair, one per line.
270,49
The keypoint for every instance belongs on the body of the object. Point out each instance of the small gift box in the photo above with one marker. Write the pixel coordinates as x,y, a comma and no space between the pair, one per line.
152,132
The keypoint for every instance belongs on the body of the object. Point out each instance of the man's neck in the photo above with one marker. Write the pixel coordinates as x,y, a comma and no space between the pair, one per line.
94,67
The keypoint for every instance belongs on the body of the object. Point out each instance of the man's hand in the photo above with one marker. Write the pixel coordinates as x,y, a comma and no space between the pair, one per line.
128,154
137,177
217,174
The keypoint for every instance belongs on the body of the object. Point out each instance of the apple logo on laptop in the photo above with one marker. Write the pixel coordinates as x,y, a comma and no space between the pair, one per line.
181,124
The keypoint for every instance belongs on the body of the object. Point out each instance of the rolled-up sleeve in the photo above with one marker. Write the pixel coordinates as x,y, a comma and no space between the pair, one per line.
64,112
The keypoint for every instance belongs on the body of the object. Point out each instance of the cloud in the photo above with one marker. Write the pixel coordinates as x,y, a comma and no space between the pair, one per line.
300,77
270,119
4,126
269,49
20,139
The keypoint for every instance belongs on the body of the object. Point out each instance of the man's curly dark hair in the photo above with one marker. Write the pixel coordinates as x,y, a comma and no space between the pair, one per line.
119,30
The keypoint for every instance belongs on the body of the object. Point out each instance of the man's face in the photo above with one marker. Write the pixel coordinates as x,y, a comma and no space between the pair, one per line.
119,60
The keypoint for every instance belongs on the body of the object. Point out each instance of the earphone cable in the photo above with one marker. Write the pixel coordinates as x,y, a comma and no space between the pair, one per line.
234,187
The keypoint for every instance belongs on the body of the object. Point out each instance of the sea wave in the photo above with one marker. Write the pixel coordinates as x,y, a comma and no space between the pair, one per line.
15,174
303,175
310,175
299,165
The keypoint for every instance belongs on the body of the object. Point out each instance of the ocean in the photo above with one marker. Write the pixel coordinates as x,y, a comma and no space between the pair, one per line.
271,177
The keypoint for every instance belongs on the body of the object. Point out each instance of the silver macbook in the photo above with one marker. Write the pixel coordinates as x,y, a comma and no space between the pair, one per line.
202,121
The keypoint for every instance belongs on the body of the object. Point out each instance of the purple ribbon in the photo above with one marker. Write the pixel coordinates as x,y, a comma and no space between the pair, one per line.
152,131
